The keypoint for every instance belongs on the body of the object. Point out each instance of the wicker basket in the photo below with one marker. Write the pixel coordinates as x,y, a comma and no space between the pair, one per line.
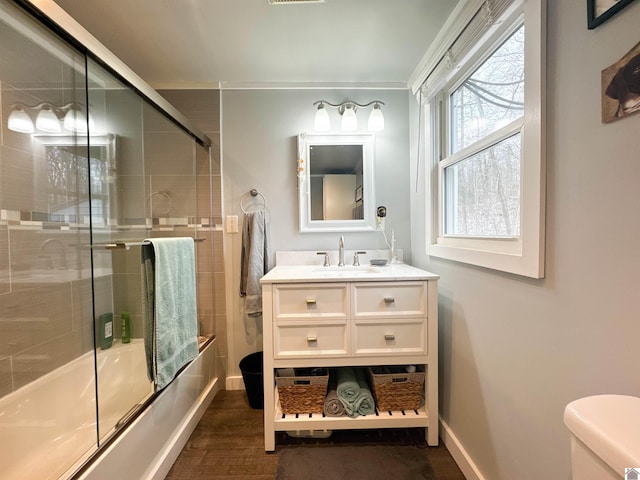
394,389
302,393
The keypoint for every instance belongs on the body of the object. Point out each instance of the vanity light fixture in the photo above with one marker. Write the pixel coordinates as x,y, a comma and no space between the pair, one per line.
289,2
20,121
48,119
322,122
349,120
376,119
347,110
75,121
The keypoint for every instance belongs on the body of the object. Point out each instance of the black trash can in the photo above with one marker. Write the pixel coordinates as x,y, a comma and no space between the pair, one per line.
251,368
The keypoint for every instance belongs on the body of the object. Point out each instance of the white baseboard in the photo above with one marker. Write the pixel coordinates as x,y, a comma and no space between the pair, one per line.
456,449
234,383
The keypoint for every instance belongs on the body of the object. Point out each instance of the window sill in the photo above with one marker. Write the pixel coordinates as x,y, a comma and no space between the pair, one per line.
486,253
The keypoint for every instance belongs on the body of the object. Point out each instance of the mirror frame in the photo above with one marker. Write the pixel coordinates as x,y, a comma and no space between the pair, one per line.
85,144
305,142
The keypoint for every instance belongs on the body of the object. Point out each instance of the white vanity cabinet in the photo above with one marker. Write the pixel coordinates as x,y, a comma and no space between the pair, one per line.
368,317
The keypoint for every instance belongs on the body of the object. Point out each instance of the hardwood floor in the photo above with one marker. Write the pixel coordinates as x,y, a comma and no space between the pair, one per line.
228,444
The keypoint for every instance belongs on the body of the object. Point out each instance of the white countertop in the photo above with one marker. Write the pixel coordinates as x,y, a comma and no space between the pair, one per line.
364,273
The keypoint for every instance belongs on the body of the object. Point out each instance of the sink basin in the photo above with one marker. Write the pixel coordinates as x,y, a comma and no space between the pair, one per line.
347,269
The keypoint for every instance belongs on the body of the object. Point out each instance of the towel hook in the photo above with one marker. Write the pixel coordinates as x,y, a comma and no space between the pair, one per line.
253,195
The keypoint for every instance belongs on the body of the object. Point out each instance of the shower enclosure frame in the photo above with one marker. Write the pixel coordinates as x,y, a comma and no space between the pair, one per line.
188,409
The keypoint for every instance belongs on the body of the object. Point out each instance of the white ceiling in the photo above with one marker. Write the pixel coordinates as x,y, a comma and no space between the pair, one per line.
190,43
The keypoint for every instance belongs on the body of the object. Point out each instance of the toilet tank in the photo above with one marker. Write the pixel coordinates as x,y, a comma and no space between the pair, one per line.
605,436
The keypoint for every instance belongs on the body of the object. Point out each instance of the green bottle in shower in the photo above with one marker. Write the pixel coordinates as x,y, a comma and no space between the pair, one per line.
125,332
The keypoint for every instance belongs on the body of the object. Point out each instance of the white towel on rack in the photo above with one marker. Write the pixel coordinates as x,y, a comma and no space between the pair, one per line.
254,260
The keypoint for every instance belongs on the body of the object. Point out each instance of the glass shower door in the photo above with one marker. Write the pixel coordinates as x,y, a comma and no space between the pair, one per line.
47,386
118,215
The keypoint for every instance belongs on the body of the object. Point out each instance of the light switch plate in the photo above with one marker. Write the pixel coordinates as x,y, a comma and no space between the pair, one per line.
232,224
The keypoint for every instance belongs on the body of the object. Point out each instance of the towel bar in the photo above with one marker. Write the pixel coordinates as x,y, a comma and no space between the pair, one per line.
127,245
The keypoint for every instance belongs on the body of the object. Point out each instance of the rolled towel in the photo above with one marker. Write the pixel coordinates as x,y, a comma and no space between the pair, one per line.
353,392
348,387
333,407
364,404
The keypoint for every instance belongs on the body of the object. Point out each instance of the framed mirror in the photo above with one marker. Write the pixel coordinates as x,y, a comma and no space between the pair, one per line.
80,174
336,182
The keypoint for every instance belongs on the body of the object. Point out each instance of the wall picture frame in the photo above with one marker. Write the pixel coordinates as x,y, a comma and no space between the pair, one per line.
621,87
599,11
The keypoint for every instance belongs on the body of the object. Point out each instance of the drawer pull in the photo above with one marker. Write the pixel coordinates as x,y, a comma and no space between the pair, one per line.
312,339
311,301
389,336
389,300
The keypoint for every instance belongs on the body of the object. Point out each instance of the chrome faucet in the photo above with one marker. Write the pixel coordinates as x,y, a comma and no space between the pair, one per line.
341,251
326,258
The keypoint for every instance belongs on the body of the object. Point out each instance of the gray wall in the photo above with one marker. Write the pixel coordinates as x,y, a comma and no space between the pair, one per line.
259,150
515,351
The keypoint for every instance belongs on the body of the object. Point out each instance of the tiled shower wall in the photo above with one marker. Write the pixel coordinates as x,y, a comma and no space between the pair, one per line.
202,107
46,290
45,278
45,285
170,195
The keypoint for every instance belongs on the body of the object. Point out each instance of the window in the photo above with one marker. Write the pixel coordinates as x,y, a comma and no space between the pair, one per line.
485,130
481,187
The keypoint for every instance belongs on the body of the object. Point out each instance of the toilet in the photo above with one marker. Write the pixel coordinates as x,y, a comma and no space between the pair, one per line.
605,437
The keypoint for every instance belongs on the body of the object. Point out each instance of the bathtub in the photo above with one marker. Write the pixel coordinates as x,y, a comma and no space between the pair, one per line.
123,385
48,427
148,446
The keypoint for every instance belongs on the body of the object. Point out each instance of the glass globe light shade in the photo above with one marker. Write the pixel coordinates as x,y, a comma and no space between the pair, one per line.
47,121
19,121
349,119
376,119
322,122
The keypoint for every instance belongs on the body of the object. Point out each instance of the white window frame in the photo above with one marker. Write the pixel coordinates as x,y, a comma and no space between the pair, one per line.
522,255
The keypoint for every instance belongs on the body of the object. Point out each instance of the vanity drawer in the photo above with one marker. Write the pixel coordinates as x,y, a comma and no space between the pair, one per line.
390,338
394,299
311,301
328,339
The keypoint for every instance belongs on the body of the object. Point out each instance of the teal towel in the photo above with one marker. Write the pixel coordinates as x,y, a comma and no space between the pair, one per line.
171,317
348,386
148,304
353,391
364,403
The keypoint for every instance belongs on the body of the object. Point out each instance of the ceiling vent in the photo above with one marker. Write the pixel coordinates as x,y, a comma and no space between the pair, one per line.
286,2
